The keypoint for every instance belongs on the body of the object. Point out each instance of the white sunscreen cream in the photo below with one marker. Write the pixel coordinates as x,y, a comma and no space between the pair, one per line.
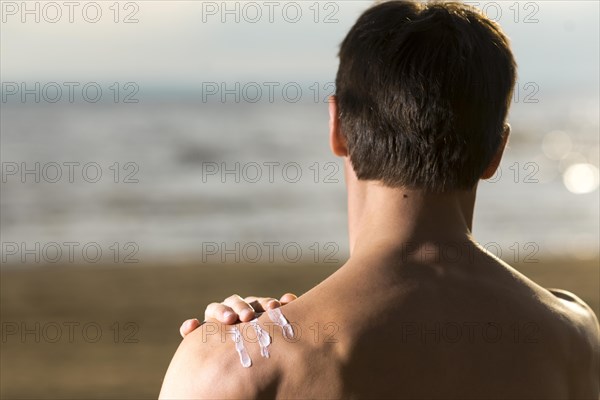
263,338
239,347
277,317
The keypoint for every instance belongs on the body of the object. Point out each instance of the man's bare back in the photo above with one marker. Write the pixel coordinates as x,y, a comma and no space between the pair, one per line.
419,310
476,330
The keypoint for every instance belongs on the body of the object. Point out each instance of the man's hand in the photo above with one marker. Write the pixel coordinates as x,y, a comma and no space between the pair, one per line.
235,308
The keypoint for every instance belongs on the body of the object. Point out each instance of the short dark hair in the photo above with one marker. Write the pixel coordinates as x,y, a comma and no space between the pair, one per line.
423,90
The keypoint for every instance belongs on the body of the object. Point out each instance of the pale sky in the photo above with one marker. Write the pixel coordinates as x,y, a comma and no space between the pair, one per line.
183,43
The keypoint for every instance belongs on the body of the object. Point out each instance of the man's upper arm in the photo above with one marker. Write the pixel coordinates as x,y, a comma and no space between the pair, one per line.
203,367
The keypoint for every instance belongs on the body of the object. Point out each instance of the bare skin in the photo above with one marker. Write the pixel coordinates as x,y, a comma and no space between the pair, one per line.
418,311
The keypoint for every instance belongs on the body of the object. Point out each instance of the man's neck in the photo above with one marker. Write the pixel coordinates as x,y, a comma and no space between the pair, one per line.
385,218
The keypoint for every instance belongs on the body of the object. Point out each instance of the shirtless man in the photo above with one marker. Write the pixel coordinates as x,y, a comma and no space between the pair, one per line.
419,310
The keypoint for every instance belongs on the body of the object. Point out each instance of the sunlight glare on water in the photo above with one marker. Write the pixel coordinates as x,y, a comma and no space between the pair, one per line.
581,178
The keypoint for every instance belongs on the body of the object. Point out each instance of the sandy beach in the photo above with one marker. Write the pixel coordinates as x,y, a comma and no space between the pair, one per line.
104,332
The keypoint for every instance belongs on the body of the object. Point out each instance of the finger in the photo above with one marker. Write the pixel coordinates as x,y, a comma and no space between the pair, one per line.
221,313
261,304
268,303
287,298
244,310
188,327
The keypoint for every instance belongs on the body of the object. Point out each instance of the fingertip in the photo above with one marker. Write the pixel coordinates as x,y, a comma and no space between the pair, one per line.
246,315
273,304
193,324
188,326
288,297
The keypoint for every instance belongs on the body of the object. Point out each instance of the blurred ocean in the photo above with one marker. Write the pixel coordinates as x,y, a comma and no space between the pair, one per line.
184,152
183,155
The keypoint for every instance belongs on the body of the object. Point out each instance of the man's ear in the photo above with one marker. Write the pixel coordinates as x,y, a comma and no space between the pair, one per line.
337,142
495,162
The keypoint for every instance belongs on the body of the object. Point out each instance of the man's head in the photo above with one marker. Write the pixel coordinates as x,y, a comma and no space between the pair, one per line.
422,94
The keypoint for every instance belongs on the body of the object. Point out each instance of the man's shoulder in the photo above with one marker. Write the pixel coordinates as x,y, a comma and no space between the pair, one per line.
570,297
580,316
575,312
502,292
583,341
207,366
